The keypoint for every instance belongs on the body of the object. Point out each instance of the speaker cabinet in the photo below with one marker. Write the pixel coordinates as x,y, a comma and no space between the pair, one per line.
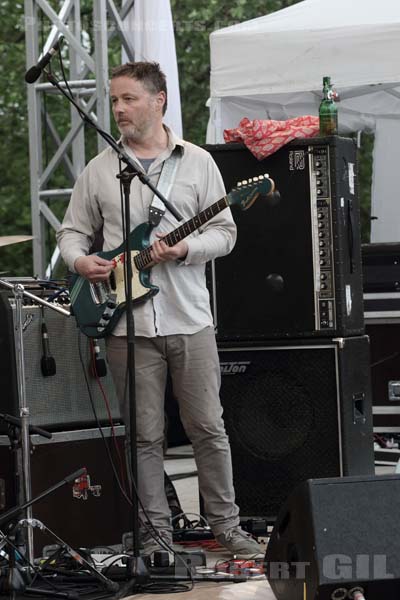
57,402
294,413
296,268
99,520
334,536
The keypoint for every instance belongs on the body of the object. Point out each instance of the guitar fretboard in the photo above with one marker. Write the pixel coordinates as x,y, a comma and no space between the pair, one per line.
144,260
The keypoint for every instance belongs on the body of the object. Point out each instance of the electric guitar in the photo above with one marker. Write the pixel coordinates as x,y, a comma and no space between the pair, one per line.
98,306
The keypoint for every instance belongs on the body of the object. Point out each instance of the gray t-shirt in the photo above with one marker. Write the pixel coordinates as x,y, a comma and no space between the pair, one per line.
146,162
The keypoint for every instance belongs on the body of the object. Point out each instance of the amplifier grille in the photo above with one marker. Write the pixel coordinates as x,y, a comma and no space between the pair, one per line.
60,401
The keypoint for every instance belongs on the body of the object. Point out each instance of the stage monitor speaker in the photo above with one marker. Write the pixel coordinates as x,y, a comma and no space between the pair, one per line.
336,536
296,268
60,401
293,413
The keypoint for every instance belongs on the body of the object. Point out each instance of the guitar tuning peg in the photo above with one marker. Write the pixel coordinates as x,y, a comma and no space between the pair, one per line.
244,182
239,184
266,175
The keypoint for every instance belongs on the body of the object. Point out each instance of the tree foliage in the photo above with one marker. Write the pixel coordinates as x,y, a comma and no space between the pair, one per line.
14,158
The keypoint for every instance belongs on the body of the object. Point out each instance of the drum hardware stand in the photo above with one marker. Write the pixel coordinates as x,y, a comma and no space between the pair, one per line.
23,462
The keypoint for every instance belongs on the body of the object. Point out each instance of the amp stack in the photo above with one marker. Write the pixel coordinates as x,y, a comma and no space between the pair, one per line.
288,309
70,402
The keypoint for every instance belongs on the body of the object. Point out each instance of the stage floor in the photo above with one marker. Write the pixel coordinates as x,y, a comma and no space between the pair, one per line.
188,494
187,490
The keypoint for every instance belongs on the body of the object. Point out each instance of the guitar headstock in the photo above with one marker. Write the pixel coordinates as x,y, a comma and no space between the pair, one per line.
247,191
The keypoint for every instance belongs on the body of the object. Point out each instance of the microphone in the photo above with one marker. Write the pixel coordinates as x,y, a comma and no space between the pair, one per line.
34,72
47,363
99,367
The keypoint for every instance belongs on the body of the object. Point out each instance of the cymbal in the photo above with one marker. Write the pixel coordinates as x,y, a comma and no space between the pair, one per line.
6,240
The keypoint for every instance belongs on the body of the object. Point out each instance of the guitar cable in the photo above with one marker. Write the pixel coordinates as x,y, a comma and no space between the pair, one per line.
99,426
98,364
145,524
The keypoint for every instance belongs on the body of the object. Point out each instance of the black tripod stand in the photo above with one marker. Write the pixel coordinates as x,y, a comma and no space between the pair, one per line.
17,576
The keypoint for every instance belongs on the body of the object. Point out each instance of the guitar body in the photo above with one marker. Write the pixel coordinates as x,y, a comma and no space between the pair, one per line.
98,306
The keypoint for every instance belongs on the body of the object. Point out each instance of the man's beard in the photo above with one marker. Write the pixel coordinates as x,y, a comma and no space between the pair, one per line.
135,132
130,132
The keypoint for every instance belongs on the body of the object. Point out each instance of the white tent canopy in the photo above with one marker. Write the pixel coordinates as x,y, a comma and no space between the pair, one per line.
272,68
151,27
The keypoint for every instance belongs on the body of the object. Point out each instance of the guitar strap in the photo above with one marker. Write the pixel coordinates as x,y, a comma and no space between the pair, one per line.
164,185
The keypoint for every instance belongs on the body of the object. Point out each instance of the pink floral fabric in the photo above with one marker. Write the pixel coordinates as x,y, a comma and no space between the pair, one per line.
264,137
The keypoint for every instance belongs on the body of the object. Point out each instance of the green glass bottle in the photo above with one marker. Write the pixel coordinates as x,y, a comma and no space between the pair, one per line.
328,113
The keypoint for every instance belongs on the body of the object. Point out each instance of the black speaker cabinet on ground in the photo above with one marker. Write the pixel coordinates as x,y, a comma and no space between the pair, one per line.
60,401
295,412
101,519
296,268
336,535
385,372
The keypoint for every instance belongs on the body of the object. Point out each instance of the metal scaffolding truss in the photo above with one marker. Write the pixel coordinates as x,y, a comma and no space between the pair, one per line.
88,78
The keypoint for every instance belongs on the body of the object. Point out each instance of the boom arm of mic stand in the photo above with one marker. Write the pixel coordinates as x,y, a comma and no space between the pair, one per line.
112,142
9,514
37,299
16,422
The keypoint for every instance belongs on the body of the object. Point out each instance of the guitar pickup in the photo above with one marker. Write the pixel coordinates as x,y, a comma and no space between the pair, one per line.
100,292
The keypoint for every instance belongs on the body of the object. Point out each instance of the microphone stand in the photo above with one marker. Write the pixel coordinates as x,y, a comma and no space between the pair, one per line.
139,572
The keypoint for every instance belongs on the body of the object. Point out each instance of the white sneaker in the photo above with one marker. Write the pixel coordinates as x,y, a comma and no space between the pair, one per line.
240,543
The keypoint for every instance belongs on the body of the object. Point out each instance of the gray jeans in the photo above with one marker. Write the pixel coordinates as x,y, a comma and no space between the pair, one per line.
194,367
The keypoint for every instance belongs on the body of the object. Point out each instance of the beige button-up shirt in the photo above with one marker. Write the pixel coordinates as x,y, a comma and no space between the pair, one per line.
182,305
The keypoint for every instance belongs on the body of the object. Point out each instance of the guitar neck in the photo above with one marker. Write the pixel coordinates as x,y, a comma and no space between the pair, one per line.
143,260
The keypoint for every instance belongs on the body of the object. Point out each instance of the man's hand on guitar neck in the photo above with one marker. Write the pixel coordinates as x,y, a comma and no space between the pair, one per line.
93,267
161,252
